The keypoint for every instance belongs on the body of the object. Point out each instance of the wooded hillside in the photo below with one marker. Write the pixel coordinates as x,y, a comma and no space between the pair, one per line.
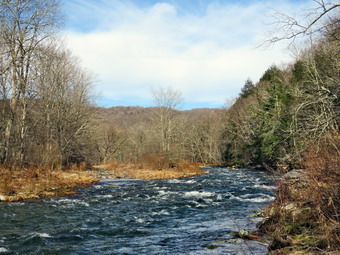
131,134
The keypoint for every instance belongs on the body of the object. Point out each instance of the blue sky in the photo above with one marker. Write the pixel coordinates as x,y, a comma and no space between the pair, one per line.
206,49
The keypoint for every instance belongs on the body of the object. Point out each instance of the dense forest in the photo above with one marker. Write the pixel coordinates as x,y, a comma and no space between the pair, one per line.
48,117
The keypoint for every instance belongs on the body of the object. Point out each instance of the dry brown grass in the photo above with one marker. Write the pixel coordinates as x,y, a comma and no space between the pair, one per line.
35,183
313,225
157,161
136,171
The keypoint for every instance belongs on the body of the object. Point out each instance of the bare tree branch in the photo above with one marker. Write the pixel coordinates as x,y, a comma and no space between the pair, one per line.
315,22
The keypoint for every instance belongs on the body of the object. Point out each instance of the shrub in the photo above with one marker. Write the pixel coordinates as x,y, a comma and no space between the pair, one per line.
307,210
157,161
323,165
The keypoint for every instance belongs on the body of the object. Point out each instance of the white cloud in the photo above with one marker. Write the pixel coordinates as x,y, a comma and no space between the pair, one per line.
207,57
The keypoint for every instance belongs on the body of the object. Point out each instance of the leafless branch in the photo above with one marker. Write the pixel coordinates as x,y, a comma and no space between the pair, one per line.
315,22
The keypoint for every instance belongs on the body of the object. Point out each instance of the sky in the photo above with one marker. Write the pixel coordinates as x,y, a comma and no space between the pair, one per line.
206,49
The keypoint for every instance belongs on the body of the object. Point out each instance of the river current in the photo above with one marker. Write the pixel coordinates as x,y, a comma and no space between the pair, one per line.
177,216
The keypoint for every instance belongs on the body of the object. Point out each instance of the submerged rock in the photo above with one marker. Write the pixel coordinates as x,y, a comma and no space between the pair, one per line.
279,243
243,233
212,247
256,215
295,175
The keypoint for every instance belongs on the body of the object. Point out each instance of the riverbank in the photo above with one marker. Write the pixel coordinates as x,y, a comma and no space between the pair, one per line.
38,183
304,218
118,170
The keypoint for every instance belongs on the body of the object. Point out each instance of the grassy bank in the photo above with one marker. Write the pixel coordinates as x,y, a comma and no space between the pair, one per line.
138,171
36,183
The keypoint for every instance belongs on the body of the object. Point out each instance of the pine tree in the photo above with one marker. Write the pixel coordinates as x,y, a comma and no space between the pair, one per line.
248,89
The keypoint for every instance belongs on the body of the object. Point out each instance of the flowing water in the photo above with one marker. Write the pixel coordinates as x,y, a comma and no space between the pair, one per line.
178,216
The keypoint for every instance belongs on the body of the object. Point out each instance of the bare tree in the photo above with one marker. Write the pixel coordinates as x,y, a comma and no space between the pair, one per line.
4,107
24,26
167,101
318,111
111,141
204,137
62,98
316,21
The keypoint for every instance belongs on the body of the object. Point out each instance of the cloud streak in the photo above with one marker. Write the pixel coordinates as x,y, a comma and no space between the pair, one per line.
207,56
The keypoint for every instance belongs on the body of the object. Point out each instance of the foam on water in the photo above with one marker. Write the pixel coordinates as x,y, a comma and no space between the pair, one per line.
261,199
174,181
163,193
264,186
208,200
139,220
17,204
181,181
7,215
190,181
69,203
258,199
43,235
198,194
34,235
107,196
2,249
161,212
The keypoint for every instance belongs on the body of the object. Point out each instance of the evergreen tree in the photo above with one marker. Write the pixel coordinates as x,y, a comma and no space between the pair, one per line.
271,137
248,89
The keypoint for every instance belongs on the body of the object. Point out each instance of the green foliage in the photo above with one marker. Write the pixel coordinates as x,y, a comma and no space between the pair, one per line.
290,107
272,74
271,137
248,89
299,72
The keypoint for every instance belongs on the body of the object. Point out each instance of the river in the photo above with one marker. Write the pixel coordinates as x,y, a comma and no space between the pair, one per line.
178,216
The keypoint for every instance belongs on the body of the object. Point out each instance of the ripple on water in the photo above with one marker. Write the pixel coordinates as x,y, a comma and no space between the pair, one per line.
259,198
35,238
70,203
179,216
198,194
17,204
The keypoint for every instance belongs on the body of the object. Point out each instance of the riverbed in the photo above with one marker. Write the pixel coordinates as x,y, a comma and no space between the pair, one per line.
174,216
